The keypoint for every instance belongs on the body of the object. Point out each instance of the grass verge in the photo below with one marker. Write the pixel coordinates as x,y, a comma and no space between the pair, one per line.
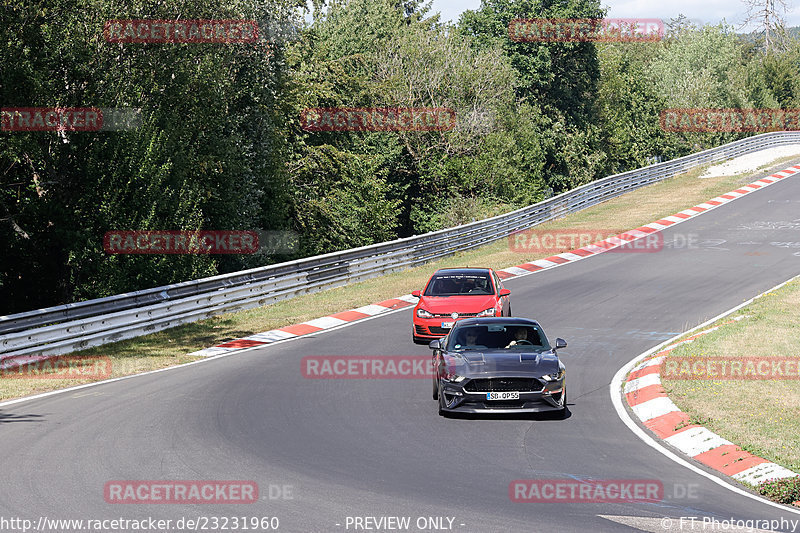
760,415
170,347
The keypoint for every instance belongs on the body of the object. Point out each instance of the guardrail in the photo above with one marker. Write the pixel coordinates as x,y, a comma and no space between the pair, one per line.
72,327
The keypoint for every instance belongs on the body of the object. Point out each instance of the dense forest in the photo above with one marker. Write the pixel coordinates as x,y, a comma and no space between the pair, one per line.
219,144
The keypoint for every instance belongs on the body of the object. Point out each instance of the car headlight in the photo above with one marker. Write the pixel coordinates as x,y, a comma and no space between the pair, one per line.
423,313
554,377
455,379
487,312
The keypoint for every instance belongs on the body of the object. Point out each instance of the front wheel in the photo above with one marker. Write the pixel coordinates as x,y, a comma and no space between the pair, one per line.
435,389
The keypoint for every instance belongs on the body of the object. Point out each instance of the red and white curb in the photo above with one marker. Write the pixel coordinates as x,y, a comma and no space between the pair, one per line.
354,315
643,231
649,402
312,326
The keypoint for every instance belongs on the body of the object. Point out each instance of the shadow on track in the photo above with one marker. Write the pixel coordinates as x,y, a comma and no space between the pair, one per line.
531,417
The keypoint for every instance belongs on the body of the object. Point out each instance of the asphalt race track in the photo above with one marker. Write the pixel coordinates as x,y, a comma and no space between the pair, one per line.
377,448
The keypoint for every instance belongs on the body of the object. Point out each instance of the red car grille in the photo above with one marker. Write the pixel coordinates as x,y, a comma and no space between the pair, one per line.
430,330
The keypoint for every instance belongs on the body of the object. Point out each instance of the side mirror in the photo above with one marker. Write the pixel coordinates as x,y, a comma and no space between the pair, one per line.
560,343
435,344
504,292
415,294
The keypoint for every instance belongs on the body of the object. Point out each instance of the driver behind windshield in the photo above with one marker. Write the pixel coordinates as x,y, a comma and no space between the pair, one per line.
520,335
468,286
476,286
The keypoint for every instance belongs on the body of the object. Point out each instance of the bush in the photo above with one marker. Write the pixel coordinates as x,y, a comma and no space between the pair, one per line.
786,490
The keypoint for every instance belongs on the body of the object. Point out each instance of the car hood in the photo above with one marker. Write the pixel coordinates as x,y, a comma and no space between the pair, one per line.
458,304
488,363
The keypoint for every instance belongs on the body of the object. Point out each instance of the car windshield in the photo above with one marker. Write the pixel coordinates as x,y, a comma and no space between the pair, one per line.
459,284
510,337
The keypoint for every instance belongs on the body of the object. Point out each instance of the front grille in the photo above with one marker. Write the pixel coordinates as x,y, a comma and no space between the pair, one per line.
436,330
504,384
449,315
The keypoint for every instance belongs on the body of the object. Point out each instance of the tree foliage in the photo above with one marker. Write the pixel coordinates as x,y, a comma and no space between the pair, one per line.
207,154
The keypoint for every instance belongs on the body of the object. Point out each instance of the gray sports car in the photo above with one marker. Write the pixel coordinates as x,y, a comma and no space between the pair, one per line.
498,365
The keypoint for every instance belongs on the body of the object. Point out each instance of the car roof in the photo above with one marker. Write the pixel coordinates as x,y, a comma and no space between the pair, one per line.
464,270
512,321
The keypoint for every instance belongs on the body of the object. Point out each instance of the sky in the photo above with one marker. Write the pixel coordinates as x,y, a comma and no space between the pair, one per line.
706,12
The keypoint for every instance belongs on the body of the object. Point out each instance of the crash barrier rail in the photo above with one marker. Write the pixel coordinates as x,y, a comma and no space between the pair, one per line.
68,328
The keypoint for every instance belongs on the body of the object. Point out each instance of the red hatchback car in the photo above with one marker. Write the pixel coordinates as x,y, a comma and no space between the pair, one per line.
455,293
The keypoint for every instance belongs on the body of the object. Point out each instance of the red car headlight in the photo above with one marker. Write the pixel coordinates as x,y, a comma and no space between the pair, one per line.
422,313
487,312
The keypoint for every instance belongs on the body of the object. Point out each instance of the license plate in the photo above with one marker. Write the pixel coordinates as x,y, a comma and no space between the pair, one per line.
447,325
505,395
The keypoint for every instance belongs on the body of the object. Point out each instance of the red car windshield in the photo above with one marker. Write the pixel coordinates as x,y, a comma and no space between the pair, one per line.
459,284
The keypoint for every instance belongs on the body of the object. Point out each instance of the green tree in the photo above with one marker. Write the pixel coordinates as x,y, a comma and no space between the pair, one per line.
558,75
779,69
207,155
629,105
707,67
558,79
